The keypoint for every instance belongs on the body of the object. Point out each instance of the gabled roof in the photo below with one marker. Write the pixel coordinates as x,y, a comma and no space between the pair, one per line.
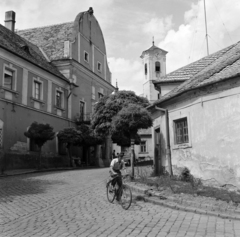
219,66
24,49
50,38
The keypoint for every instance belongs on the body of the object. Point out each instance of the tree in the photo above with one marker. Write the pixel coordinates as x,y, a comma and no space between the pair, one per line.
109,106
129,120
71,136
40,134
124,139
89,138
121,115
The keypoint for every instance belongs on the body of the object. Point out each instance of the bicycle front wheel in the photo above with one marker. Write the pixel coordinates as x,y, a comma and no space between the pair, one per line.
110,193
126,197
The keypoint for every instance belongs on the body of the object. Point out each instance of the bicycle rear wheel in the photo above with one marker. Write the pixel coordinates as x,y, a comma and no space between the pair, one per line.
110,192
126,197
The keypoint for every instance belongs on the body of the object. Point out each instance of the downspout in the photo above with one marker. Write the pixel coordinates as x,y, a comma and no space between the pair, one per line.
168,150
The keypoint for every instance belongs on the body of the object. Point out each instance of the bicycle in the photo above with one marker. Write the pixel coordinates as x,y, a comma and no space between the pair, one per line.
125,193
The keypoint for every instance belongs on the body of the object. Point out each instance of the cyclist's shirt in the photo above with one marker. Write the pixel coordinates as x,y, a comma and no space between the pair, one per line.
116,165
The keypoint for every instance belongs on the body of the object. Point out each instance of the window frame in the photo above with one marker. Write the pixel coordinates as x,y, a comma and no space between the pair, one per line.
157,66
93,93
82,115
13,70
98,63
59,90
145,69
40,82
86,53
175,120
143,146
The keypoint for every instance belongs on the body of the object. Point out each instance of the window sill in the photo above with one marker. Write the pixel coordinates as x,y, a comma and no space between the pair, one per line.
144,153
59,108
181,146
2,88
37,100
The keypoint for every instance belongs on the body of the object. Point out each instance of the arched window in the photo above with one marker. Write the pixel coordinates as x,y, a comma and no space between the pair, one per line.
157,67
145,69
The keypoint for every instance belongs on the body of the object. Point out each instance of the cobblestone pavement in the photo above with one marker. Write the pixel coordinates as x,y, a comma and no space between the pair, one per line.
73,203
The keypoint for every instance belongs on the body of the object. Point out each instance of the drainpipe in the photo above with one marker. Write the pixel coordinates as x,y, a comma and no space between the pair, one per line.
168,150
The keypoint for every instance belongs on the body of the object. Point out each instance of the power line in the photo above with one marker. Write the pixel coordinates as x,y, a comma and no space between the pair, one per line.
193,41
222,22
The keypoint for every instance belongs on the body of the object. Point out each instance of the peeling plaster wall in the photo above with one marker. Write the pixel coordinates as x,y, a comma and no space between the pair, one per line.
214,127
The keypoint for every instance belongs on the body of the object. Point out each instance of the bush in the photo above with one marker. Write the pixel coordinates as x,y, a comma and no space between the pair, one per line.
185,175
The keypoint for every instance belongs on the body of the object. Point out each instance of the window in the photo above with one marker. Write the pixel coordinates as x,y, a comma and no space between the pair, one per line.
82,110
93,92
99,66
181,131
145,69
8,79
100,95
59,99
86,56
143,146
37,90
157,67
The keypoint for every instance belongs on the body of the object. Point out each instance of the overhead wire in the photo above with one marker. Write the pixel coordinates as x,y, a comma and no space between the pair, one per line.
193,41
223,22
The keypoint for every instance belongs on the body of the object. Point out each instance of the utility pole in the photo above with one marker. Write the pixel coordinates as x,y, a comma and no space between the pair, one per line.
206,26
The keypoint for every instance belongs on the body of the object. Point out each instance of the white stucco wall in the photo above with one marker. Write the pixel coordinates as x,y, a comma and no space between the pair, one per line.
214,128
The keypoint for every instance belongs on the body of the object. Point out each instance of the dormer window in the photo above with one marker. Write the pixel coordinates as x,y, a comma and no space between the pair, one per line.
86,56
145,69
157,67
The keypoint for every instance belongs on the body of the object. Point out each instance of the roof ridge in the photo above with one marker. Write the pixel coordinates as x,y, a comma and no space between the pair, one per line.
41,27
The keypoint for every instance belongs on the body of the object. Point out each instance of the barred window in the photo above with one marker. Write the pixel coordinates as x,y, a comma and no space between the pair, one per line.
181,131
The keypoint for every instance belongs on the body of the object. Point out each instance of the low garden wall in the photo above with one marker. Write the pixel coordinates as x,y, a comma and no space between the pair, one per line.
10,161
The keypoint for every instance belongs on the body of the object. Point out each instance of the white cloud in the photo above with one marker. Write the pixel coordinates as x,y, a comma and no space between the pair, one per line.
129,74
158,27
188,43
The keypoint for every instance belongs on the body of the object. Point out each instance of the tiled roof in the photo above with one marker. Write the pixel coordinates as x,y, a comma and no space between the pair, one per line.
50,38
188,71
17,45
223,64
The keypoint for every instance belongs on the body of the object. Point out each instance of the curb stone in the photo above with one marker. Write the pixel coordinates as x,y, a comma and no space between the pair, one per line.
18,172
189,206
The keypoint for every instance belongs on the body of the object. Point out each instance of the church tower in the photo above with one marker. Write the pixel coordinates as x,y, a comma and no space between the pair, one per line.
154,65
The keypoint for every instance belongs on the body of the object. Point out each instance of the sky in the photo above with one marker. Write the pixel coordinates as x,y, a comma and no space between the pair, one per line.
128,27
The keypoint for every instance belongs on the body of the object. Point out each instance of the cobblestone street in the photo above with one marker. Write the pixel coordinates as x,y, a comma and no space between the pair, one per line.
74,203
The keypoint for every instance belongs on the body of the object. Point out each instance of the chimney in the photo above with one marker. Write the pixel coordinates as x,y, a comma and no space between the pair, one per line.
10,20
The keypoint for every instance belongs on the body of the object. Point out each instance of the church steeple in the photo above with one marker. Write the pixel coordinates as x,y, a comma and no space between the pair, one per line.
154,63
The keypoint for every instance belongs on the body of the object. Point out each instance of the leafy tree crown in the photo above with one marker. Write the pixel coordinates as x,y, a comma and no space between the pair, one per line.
40,133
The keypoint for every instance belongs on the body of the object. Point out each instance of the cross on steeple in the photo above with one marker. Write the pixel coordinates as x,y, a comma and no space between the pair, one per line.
153,41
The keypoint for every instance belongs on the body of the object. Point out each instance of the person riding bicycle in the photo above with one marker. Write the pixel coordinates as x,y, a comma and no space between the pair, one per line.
116,166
